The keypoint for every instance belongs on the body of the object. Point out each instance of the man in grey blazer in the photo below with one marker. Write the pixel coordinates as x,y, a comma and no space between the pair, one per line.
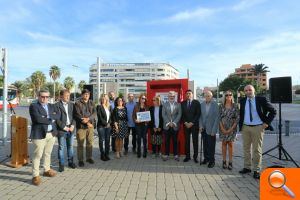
208,123
171,113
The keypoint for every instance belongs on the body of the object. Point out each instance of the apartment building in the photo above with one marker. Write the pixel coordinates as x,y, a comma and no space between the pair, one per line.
130,77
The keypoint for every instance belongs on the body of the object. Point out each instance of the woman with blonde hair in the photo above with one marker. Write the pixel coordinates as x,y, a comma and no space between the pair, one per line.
104,111
229,118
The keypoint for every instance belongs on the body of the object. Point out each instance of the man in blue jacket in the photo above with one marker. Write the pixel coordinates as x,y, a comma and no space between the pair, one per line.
43,130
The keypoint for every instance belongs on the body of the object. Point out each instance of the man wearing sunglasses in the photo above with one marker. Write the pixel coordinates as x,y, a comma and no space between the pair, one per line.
43,116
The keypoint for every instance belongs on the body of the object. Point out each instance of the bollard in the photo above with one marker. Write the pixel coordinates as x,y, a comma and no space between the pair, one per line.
287,128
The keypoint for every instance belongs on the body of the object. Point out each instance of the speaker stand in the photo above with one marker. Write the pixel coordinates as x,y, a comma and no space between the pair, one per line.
279,146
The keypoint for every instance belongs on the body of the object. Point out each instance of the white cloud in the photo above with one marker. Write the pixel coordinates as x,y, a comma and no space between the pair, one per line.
197,14
46,37
246,4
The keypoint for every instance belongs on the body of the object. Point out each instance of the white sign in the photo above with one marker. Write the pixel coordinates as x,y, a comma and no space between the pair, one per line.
143,116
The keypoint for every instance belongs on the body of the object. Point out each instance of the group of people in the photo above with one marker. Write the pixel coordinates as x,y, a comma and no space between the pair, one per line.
114,119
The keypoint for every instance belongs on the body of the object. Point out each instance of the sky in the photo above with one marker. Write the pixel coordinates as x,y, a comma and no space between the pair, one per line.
209,37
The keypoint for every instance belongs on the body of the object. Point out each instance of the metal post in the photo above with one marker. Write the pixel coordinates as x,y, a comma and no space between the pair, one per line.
218,91
287,128
5,72
75,66
98,78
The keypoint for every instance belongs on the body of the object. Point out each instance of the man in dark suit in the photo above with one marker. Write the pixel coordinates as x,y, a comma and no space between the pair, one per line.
65,126
256,115
43,130
190,118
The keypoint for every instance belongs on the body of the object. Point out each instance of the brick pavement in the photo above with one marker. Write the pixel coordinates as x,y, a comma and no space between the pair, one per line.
133,178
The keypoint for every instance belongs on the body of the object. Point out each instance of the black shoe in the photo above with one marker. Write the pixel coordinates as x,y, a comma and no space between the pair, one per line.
91,161
245,171
81,164
138,155
224,164
204,162
230,165
186,159
256,175
211,164
144,155
61,168
107,157
196,160
102,157
72,165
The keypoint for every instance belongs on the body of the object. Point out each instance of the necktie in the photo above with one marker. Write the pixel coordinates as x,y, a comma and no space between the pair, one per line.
189,104
250,111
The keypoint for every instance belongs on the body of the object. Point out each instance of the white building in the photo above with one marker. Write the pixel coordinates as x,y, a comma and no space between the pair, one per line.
130,77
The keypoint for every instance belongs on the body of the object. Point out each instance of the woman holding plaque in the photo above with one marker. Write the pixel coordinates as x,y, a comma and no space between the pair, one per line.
139,116
156,126
120,127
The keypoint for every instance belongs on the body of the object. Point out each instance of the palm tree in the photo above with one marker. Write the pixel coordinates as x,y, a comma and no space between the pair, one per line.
258,70
81,84
54,73
69,83
38,79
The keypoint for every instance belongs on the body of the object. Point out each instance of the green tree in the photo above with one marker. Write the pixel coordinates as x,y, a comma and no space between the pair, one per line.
258,70
1,81
234,83
50,87
38,79
69,83
54,73
81,84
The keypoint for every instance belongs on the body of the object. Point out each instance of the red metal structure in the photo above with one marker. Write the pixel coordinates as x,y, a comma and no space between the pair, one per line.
162,88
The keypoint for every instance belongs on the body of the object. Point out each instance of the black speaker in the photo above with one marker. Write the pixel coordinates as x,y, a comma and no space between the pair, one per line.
90,88
281,89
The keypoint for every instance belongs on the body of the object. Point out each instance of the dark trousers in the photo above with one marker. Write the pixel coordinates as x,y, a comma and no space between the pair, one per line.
126,139
209,146
104,136
194,132
171,133
155,148
141,132
113,144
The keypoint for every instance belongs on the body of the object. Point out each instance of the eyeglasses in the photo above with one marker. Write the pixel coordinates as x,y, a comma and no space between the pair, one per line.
248,90
228,95
143,98
44,97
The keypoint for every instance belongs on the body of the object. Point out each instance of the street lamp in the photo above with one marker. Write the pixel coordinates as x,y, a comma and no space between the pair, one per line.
237,93
75,66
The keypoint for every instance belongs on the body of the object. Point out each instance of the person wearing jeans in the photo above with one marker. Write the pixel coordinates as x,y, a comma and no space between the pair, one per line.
103,126
131,125
65,125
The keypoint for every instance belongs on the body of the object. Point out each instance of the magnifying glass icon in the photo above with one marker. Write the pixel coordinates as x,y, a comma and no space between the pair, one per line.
277,180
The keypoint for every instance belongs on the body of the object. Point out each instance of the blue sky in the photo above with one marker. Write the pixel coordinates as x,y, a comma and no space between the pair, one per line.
211,38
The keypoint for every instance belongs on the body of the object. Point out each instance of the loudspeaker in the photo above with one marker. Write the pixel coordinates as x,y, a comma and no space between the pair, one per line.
90,88
281,89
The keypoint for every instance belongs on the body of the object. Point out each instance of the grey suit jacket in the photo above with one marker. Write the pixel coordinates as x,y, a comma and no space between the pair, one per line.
209,121
169,116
